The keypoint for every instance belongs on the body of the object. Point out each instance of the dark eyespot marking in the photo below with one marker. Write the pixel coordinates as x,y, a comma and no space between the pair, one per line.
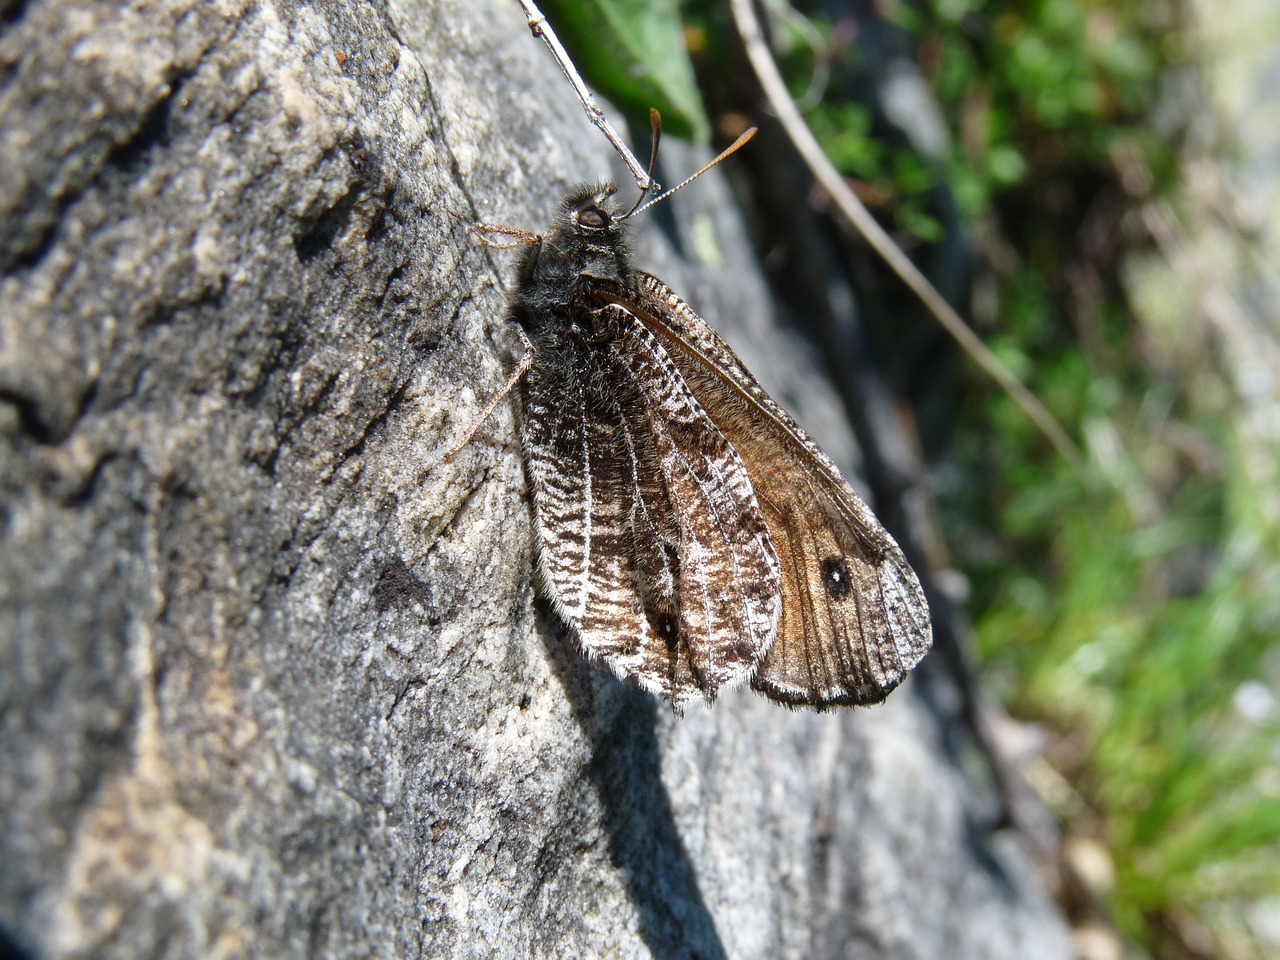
593,218
835,577
668,628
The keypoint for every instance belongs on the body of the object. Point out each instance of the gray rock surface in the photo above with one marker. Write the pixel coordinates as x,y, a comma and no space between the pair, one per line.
273,681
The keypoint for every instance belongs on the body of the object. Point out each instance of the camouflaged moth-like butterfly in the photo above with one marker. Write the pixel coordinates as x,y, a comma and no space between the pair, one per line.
690,534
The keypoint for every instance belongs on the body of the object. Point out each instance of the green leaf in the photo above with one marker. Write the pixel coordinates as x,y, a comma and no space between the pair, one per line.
633,53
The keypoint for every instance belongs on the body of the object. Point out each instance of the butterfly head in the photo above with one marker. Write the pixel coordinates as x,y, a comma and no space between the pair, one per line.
585,241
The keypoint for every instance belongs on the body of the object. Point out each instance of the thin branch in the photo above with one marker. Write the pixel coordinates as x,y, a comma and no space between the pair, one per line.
811,151
541,28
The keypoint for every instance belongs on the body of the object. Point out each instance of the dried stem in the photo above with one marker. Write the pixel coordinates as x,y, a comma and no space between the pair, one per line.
541,28
810,150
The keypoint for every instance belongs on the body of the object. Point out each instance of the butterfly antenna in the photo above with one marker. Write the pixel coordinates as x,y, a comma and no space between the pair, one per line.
655,124
727,152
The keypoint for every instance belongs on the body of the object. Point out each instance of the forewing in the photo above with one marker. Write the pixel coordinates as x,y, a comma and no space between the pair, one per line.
854,618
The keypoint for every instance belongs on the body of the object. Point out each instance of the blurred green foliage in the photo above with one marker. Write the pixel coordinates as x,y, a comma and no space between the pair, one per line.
1133,619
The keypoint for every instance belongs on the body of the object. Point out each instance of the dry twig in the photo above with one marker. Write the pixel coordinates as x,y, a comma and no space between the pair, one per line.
811,151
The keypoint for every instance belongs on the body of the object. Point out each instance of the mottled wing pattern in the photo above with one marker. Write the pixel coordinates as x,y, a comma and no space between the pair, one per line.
854,618
653,548
728,590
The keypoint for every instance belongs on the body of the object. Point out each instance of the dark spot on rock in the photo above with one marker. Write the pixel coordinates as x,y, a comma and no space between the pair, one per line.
399,586
835,577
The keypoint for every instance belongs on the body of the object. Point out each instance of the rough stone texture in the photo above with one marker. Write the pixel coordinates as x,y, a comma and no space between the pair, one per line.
274,682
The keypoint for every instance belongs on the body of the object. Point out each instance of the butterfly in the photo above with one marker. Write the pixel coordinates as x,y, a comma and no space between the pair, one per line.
690,534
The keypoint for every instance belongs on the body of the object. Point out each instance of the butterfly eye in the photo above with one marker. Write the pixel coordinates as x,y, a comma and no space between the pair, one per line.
593,218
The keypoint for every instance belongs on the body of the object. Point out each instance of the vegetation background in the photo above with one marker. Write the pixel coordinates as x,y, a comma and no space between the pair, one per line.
1096,186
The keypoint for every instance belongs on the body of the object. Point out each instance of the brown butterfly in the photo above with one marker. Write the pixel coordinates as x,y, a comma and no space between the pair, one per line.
690,534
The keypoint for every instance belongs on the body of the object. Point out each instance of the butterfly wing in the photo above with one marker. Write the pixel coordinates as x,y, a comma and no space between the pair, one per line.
653,547
854,618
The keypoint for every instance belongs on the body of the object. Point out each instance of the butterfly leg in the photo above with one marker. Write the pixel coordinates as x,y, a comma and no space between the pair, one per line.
522,238
516,375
